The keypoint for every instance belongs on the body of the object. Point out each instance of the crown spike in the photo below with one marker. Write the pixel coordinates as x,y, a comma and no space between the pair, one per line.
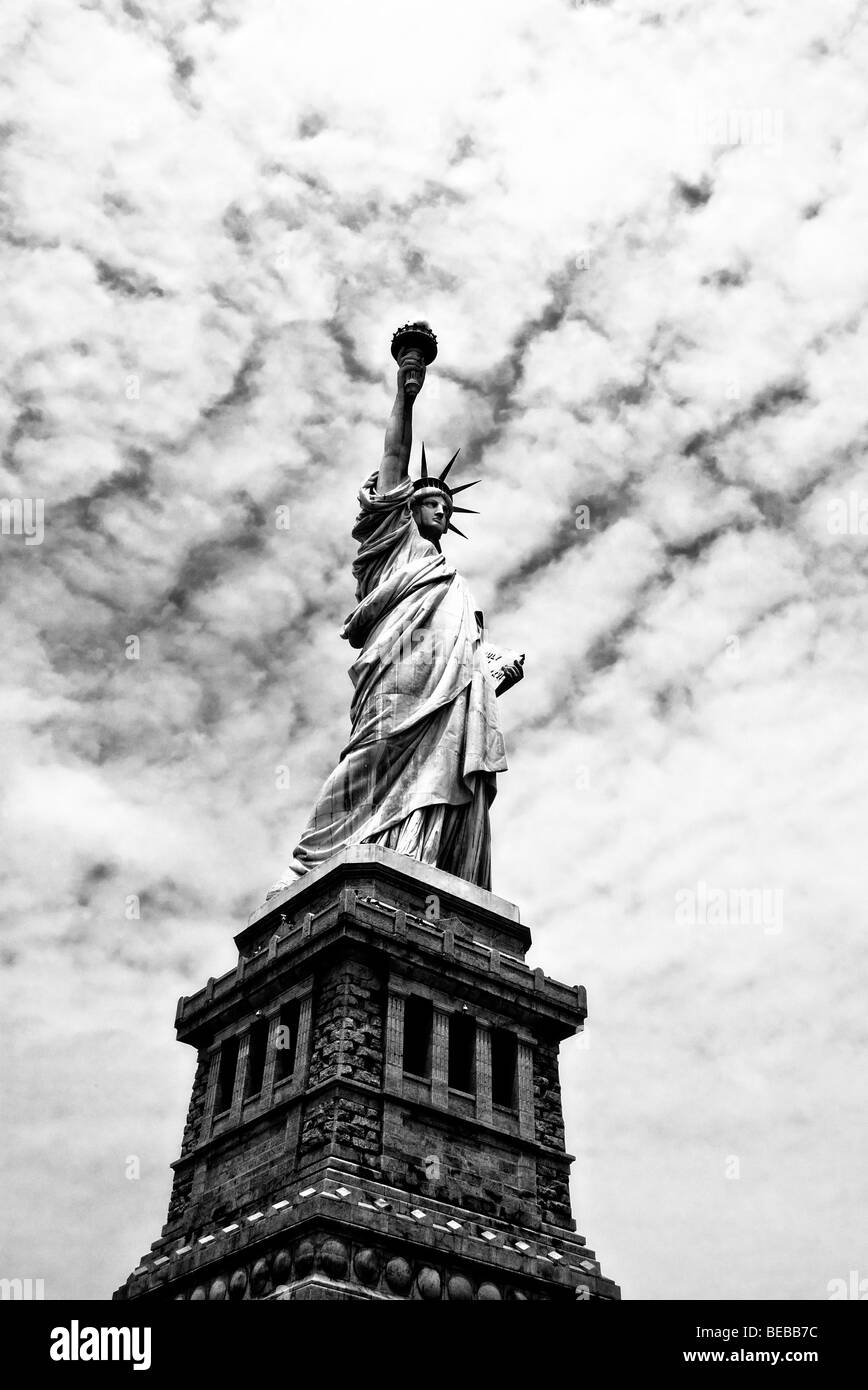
457,532
424,462
450,463
461,486
469,510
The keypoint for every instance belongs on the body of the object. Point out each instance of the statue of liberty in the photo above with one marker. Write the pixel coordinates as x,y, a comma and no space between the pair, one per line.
418,774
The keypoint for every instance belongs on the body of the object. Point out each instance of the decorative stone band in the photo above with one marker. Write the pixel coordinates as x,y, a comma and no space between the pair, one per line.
444,1257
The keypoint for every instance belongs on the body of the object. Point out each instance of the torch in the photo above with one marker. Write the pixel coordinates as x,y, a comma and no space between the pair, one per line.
414,347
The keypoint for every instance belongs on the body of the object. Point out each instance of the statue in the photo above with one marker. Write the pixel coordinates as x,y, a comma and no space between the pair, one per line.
419,771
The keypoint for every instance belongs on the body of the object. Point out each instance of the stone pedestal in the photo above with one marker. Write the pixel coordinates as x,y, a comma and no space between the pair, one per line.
376,1111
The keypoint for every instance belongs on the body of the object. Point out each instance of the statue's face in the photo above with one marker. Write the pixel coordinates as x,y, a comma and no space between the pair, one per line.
432,516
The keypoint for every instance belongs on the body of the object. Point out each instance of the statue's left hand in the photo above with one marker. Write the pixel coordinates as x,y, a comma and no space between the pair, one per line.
511,672
514,671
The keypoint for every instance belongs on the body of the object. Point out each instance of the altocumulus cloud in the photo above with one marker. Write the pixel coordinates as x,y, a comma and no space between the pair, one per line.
634,231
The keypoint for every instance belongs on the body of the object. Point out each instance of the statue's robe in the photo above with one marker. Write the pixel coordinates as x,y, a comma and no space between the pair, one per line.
419,771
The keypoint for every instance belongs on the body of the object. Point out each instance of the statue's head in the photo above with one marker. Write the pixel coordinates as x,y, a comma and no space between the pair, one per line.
432,503
432,508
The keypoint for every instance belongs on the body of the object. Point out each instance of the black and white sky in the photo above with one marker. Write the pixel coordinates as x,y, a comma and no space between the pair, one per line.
635,228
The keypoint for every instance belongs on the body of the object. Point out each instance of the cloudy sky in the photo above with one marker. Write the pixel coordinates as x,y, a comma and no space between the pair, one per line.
635,228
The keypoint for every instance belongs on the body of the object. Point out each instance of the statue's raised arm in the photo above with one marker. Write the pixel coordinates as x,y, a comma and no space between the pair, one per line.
414,347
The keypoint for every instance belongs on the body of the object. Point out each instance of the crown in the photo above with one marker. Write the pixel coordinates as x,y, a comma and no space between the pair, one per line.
425,482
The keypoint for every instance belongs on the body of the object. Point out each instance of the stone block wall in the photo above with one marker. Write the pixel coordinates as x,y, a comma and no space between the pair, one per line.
348,1023
182,1182
350,1126
179,1201
347,1043
548,1111
458,1165
196,1108
553,1191
248,1166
